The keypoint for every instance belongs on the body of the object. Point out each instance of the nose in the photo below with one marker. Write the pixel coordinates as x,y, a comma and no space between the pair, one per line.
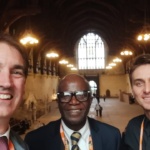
147,88
73,100
5,79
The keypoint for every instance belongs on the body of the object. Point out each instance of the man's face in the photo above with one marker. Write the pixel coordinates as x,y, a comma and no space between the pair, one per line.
141,85
12,80
74,112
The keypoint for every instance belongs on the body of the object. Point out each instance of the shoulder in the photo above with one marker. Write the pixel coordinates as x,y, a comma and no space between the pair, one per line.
45,130
107,133
134,124
103,127
132,132
133,127
136,120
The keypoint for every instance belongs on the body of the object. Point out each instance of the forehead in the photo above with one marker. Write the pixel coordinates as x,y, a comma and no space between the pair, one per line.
6,49
142,71
9,54
73,84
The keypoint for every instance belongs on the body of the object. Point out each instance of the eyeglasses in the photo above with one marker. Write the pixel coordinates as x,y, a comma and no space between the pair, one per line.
66,96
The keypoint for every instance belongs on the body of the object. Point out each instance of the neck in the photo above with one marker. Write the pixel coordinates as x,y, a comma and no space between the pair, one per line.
75,127
147,113
4,125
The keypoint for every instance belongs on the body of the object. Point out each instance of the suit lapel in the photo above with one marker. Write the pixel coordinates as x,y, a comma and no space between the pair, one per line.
57,142
96,136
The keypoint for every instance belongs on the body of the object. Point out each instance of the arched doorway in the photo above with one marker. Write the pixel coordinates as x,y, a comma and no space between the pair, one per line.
93,86
95,83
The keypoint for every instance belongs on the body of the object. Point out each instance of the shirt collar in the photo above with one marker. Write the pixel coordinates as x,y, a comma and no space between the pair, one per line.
85,130
7,133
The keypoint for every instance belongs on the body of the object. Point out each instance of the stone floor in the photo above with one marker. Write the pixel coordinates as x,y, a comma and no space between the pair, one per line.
114,112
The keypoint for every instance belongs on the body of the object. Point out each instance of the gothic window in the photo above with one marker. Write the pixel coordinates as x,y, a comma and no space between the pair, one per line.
91,52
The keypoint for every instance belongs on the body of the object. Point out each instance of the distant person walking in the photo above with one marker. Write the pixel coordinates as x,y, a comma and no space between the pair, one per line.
98,109
104,97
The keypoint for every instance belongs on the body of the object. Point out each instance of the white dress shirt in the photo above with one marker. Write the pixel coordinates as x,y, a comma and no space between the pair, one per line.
85,133
6,133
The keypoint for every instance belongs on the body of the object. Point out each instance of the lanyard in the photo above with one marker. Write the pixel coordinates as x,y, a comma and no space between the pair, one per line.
11,146
66,143
141,134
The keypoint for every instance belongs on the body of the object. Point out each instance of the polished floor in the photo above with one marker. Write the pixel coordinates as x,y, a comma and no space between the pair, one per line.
114,112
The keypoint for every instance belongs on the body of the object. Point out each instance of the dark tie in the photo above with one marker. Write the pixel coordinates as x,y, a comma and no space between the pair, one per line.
3,143
74,140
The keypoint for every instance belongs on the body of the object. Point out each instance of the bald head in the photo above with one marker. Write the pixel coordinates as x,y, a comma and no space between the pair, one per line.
73,80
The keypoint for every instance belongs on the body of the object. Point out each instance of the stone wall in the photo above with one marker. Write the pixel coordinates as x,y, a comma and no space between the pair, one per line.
41,86
114,83
40,91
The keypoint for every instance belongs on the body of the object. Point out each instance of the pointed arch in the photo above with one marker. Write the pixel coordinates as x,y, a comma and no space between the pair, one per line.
91,52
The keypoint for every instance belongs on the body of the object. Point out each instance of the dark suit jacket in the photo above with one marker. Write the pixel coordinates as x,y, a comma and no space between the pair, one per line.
18,143
104,136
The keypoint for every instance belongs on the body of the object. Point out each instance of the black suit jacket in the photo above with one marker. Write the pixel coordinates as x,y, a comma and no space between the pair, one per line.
104,136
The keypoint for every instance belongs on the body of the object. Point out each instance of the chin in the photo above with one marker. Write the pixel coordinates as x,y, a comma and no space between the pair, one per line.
75,121
4,114
147,108
6,110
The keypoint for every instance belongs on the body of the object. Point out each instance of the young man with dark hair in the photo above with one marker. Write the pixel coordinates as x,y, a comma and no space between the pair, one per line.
137,133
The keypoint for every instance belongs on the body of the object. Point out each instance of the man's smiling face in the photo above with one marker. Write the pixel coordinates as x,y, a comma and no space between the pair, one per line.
12,80
74,112
141,85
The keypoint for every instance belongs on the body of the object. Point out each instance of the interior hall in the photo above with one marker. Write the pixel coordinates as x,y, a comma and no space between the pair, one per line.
97,39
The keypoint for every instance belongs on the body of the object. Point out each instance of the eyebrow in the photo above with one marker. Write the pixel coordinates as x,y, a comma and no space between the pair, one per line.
138,79
16,66
20,67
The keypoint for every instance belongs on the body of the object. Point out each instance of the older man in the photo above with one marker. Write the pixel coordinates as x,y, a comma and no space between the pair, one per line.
74,130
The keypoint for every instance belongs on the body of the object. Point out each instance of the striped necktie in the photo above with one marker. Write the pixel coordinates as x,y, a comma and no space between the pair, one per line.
3,143
74,139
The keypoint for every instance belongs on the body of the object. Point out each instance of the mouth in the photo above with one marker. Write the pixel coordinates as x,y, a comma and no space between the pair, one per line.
146,98
75,112
5,96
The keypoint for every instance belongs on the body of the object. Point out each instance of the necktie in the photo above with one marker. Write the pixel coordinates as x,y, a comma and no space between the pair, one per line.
74,139
3,143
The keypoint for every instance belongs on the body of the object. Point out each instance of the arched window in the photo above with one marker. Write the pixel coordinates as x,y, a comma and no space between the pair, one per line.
91,52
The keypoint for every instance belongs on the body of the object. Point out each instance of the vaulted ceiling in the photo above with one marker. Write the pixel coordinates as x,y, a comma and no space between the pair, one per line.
59,24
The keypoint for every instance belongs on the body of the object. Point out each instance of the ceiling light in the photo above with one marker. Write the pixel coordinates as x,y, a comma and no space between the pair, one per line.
108,67
126,53
63,61
70,65
112,64
73,68
52,55
28,38
117,60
